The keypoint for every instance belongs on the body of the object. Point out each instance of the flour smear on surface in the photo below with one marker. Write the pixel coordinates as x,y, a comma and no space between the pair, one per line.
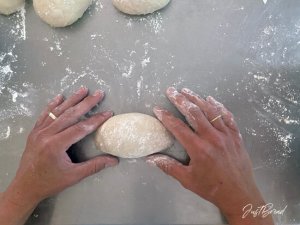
271,88
16,98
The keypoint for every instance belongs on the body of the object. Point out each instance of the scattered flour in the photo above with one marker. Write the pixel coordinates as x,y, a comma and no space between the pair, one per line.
5,134
21,130
128,69
71,78
17,104
16,98
99,5
152,22
145,62
139,86
276,99
18,26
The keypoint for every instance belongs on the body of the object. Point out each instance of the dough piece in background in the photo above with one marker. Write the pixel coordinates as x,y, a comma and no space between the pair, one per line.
60,13
139,7
8,7
132,135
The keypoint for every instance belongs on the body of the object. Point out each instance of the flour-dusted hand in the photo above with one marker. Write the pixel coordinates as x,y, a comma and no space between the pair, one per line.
45,168
219,170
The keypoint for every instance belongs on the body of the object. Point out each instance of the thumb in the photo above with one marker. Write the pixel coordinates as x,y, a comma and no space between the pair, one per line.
169,165
95,165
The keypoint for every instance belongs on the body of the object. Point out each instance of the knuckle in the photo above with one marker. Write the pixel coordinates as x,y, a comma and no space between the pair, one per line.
239,140
166,167
58,110
50,104
70,111
230,115
218,141
80,127
92,169
95,168
220,144
38,136
214,110
41,139
32,135
45,142
176,124
69,114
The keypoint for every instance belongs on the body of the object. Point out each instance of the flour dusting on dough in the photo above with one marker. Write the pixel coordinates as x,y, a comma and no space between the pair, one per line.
132,135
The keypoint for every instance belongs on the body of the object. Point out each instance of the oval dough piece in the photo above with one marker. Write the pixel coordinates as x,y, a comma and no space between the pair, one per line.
139,7
8,7
60,13
132,135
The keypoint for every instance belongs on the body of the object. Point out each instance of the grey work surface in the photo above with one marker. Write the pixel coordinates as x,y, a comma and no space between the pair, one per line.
243,52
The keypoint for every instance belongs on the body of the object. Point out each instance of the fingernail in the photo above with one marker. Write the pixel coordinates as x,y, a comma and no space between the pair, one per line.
108,113
172,93
58,98
111,163
190,92
98,93
171,90
158,112
214,101
81,90
211,99
187,91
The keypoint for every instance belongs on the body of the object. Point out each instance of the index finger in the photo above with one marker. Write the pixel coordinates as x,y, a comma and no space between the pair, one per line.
179,129
72,115
80,130
191,111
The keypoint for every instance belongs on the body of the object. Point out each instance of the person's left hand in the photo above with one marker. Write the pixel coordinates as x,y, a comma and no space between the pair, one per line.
45,168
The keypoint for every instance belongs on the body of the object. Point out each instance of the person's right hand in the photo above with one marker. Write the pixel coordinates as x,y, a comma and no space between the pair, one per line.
220,170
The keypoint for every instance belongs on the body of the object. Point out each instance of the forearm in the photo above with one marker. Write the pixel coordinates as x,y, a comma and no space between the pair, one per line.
247,212
15,205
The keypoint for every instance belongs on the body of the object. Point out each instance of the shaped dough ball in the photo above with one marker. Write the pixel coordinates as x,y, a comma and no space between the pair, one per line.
10,6
60,13
132,135
139,7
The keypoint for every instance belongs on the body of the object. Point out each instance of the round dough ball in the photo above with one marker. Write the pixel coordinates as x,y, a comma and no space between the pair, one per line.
60,13
10,6
139,7
132,135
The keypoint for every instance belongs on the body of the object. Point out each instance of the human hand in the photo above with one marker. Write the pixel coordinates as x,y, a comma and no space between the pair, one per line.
45,168
219,170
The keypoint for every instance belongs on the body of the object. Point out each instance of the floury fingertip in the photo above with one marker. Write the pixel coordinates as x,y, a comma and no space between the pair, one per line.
187,91
82,89
98,93
158,112
171,90
108,113
58,97
158,160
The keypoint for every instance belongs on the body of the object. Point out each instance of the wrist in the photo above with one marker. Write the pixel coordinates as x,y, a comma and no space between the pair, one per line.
16,204
246,210
17,195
